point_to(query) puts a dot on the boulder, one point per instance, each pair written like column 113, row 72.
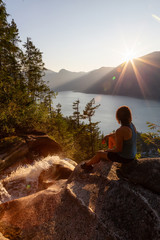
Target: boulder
column 145, row 172
column 12, row 155
column 95, row 205
column 118, row 208
column 42, row 146
column 61, row 169
column 24, row 217
column 29, row 148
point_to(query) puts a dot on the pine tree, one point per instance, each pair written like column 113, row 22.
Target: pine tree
column 76, row 114
column 14, row 68
column 59, row 109
column 25, row 99
column 88, row 113
column 11, row 81
column 33, row 68
column 10, row 68
column 6, row 56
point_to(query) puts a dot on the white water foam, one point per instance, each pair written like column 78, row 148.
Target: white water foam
column 4, row 195
column 24, row 180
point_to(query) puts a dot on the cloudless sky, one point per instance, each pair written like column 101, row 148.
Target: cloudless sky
column 82, row 35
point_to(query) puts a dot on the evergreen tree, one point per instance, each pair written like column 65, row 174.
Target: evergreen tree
column 25, row 99
column 59, row 109
column 11, row 82
column 88, row 113
column 9, row 57
column 76, row 114
column 33, row 68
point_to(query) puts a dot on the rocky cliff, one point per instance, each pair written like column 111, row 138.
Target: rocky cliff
column 54, row 198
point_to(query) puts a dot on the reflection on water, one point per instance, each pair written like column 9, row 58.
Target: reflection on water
column 142, row 110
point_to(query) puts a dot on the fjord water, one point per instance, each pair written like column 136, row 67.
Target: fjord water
column 142, row 110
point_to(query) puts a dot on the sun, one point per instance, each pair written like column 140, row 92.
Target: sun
column 129, row 55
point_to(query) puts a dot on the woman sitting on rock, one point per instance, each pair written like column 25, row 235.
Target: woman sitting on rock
column 122, row 143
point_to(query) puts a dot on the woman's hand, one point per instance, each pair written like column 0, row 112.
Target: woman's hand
column 104, row 140
column 107, row 137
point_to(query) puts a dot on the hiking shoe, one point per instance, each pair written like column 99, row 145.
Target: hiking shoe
column 87, row 168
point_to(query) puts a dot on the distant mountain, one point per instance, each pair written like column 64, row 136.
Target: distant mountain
column 55, row 80
column 80, row 84
column 139, row 78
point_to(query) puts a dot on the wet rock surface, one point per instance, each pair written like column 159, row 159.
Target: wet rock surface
column 30, row 179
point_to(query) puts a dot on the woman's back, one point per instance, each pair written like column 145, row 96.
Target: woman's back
column 129, row 141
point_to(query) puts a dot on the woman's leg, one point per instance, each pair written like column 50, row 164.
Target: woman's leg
column 99, row 155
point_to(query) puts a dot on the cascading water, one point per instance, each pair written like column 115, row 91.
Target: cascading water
column 4, row 195
column 25, row 179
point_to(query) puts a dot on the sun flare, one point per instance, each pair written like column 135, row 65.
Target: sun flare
column 129, row 56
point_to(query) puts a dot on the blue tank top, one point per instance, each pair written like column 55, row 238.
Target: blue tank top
column 129, row 149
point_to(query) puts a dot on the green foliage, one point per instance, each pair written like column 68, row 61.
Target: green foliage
column 58, row 128
column 152, row 139
column 76, row 114
column 25, row 100
column 33, row 68
column 138, row 155
column 153, row 126
column 73, row 134
column 93, row 129
column 86, row 135
column 9, row 142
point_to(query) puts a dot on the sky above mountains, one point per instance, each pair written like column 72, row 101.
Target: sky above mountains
column 82, row 35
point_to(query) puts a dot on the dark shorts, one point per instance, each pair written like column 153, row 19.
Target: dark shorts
column 114, row 157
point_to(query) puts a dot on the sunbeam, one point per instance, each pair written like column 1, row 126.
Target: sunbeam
column 120, row 79
column 148, row 62
column 140, row 80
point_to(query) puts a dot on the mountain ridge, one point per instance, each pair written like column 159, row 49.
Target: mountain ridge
column 138, row 78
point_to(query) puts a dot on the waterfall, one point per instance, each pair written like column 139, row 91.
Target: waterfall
column 4, row 195
column 25, row 179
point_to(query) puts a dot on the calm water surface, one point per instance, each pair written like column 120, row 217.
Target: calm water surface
column 142, row 110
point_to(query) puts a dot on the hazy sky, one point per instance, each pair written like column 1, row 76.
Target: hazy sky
column 82, row 35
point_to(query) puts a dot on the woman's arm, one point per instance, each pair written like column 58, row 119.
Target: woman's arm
column 108, row 135
column 118, row 141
